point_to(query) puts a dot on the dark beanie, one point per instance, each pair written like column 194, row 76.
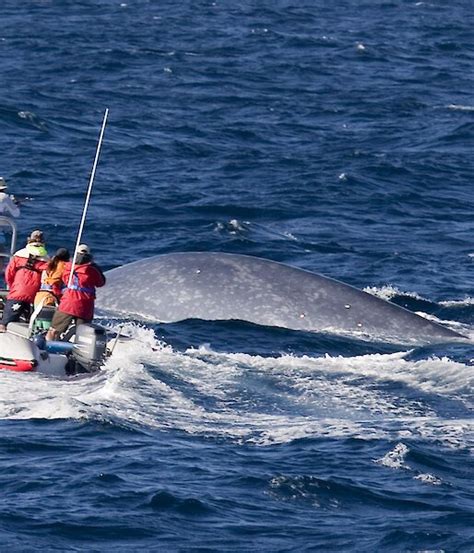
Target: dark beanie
column 63, row 254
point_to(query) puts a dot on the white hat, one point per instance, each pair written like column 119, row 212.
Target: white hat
column 83, row 248
column 36, row 236
column 3, row 184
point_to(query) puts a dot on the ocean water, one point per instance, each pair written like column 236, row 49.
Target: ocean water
column 333, row 136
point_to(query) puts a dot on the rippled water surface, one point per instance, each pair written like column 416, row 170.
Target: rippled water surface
column 333, row 136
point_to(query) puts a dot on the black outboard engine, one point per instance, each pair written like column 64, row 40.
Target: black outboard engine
column 90, row 348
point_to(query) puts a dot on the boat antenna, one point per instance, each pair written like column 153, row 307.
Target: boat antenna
column 88, row 196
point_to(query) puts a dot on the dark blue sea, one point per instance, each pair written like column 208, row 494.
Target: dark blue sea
column 337, row 137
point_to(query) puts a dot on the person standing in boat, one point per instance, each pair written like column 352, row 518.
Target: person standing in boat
column 51, row 280
column 23, row 278
column 77, row 302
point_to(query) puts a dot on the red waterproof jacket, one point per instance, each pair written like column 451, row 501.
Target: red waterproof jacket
column 23, row 276
column 78, row 300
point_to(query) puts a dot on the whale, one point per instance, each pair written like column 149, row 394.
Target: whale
column 214, row 286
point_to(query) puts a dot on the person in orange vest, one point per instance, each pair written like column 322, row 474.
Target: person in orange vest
column 51, row 280
column 77, row 301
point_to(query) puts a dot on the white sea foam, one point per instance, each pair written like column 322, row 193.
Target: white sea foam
column 428, row 479
column 388, row 292
column 457, row 303
column 395, row 458
column 252, row 398
column 460, row 107
column 233, row 226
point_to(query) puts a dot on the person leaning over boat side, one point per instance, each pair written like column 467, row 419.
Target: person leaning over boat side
column 8, row 208
column 77, row 302
column 51, row 279
column 23, row 278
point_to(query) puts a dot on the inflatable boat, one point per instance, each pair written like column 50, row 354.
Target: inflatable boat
column 23, row 347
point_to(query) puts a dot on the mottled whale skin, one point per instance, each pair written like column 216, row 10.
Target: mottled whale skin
column 222, row 286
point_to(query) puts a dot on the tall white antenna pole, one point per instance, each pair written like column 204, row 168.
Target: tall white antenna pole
column 89, row 190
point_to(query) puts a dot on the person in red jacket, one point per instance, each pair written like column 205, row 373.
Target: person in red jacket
column 77, row 302
column 23, row 278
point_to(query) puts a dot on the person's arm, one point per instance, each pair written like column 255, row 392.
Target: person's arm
column 65, row 275
column 100, row 277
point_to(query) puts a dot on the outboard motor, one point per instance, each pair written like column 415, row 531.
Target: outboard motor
column 89, row 348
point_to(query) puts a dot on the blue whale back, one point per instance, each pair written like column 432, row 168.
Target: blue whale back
column 221, row 286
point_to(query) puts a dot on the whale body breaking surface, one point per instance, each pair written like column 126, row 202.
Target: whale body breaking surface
column 221, row 286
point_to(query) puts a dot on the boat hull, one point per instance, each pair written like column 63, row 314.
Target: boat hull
column 17, row 353
column 18, row 365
